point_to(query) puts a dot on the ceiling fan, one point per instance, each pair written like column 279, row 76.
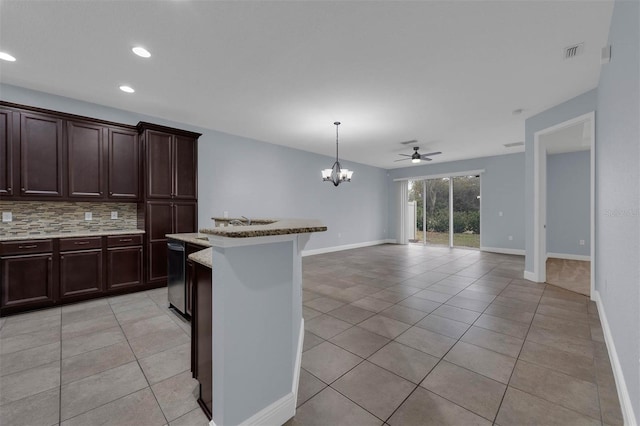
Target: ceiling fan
column 416, row 157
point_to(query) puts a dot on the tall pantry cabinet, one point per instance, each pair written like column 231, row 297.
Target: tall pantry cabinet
column 170, row 191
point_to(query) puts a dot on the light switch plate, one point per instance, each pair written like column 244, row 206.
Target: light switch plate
column 88, row 216
column 114, row 215
column 7, row 217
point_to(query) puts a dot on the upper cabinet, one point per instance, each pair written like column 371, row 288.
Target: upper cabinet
column 124, row 164
column 50, row 154
column 85, row 159
column 41, row 160
column 171, row 162
column 6, row 152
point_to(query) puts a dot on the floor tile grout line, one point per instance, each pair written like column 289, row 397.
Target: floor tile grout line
column 138, row 363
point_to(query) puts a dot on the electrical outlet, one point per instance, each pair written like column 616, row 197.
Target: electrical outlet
column 114, row 215
column 510, row 237
column 88, row 216
column 7, row 217
column 581, row 242
column 499, row 213
column 225, row 214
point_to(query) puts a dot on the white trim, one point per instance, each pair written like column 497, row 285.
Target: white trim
column 539, row 196
column 621, row 385
column 520, row 252
column 346, row 247
column 296, row 372
column 442, row 175
column 568, row 256
column 592, row 194
column 530, row 276
column 275, row 414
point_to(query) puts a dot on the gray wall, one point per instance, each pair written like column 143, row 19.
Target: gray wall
column 572, row 108
column 618, row 192
column 568, row 203
column 502, row 189
column 253, row 178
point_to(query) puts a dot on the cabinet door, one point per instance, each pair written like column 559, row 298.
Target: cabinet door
column 85, row 160
column 159, row 148
column 185, row 217
column 185, row 168
column 124, row 173
column 80, row 273
column 41, row 164
column 124, row 267
column 202, row 325
column 6, row 152
column 27, row 280
column 157, row 262
column 159, row 220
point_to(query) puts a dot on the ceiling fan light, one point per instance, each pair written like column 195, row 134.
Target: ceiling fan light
column 415, row 160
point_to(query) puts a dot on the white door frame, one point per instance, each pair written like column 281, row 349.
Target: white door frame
column 540, row 197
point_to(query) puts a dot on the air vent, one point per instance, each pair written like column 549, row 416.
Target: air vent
column 511, row 145
column 573, row 51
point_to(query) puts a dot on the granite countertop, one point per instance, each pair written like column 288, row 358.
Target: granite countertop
column 193, row 238
column 68, row 234
column 203, row 257
column 273, row 227
column 260, row 221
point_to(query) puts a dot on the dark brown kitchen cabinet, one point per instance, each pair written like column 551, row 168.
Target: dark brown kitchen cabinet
column 81, row 273
column 6, row 152
column 164, row 218
column 85, row 160
column 41, row 159
column 124, row 164
column 124, row 266
column 201, row 332
column 171, row 162
column 27, row 272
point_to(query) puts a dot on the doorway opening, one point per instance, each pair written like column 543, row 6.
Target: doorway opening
column 564, row 186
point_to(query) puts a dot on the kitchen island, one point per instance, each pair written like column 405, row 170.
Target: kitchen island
column 257, row 325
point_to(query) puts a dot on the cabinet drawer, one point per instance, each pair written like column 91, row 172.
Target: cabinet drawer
column 124, row 240
column 26, row 246
column 82, row 243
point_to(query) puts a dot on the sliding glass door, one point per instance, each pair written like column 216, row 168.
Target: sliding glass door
column 466, row 211
column 444, row 211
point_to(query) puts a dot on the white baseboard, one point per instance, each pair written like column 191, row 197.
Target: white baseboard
column 346, row 247
column 531, row 276
column 568, row 256
column 519, row 252
column 296, row 372
column 621, row 385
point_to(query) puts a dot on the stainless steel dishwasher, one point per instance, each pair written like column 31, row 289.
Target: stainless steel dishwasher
column 176, row 265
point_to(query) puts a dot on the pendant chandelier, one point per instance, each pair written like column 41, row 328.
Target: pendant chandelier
column 337, row 174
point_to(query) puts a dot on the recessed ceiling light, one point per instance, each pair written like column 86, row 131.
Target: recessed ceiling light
column 127, row 89
column 6, row 57
column 141, row 51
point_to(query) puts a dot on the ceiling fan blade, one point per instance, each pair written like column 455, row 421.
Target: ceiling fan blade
column 412, row 141
column 405, row 155
column 402, row 159
column 431, row 153
column 426, row 159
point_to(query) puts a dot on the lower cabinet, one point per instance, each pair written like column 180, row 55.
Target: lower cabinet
column 124, row 267
column 27, row 281
column 201, row 358
column 42, row 273
column 80, row 273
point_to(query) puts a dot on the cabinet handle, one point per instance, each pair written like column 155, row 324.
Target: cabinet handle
column 81, row 243
column 125, row 240
column 28, row 247
column 22, row 189
column 9, row 189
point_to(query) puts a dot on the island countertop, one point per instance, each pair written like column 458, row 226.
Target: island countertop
column 275, row 227
column 191, row 237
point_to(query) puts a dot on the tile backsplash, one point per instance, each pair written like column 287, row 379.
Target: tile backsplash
column 39, row 217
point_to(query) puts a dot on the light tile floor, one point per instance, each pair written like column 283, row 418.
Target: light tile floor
column 121, row 361
column 402, row 335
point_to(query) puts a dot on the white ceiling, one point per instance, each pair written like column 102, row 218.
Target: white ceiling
column 448, row 73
